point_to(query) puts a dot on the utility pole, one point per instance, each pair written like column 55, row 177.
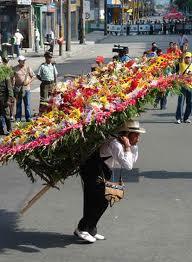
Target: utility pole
column 61, row 28
column 82, row 23
column 68, row 26
column 105, row 17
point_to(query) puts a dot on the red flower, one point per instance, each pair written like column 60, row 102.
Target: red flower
column 17, row 132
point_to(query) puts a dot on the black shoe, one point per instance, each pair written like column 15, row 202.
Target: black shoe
column 28, row 120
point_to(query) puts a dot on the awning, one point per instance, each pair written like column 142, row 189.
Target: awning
column 174, row 14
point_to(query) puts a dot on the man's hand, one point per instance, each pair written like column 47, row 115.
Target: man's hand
column 125, row 142
column 10, row 100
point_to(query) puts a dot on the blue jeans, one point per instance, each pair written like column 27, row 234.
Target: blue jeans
column 186, row 95
column 17, row 50
column 26, row 100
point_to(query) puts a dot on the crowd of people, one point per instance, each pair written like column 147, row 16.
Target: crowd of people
column 171, row 26
column 182, row 67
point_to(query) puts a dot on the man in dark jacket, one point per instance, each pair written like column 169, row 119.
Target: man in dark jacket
column 6, row 96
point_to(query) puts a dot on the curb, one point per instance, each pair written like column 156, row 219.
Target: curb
column 66, row 54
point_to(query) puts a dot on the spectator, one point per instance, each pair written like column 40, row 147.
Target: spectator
column 23, row 76
column 47, row 74
column 185, row 67
column 124, row 55
column 154, row 47
column 170, row 49
column 51, row 40
column 11, row 103
column 18, row 40
column 6, row 96
column 37, row 40
column 159, row 52
column 183, row 39
column 161, row 96
column 144, row 57
column 176, row 50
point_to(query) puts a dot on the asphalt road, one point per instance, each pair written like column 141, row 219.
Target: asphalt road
column 152, row 223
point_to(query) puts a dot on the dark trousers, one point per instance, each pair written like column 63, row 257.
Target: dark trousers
column 95, row 205
column 45, row 90
column 186, row 95
column 162, row 98
column 5, row 123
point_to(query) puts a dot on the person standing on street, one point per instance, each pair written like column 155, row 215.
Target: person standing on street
column 11, row 103
column 23, row 76
column 47, row 74
column 6, row 97
column 18, row 40
column 119, row 151
column 37, row 40
column 182, row 40
column 51, row 40
column 185, row 67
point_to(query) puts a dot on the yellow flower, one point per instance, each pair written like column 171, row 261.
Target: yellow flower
column 75, row 114
column 103, row 100
column 22, row 139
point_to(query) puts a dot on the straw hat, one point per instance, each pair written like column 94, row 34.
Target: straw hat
column 131, row 126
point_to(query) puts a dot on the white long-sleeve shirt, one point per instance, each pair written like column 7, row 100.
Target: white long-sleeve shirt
column 119, row 157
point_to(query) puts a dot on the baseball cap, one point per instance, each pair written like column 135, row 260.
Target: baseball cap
column 187, row 54
column 21, row 58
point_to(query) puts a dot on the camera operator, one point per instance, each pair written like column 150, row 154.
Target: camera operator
column 123, row 52
column 123, row 55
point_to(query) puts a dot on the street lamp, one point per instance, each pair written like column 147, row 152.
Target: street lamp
column 61, row 27
column 68, row 26
column 82, row 23
column 105, row 17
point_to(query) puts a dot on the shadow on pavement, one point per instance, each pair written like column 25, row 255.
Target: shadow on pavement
column 12, row 237
column 136, row 176
column 165, row 115
column 151, row 121
column 162, row 174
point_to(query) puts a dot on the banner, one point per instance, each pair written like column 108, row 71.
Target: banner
column 24, row 2
column 113, row 2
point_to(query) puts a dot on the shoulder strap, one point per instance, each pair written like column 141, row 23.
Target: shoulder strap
column 186, row 69
column 55, row 77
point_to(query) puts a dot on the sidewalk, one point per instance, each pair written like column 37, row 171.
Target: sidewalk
column 90, row 39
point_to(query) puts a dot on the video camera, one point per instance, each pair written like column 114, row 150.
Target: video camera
column 119, row 49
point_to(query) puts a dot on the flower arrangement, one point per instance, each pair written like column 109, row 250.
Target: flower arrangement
column 83, row 112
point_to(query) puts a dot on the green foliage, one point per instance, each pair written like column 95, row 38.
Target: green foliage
column 181, row 4
column 5, row 72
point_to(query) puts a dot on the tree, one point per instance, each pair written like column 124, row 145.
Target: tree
column 181, row 4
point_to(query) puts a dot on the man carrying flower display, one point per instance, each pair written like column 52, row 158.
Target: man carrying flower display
column 185, row 68
column 47, row 74
column 120, row 151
